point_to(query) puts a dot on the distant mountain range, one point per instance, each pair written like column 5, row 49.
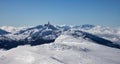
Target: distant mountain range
column 47, row 33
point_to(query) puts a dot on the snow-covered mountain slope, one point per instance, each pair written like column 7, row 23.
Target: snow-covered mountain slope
column 48, row 33
column 40, row 31
column 91, row 37
column 49, row 44
column 112, row 34
column 3, row 32
column 34, row 36
column 37, row 31
column 66, row 49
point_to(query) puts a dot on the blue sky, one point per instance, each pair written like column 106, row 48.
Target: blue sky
column 70, row 12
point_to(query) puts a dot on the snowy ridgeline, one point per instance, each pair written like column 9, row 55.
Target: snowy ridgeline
column 47, row 33
column 48, row 44
column 66, row 49
column 18, row 33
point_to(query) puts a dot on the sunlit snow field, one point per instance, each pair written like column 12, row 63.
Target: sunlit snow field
column 66, row 49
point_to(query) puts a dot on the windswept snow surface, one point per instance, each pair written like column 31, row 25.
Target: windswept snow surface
column 65, row 50
column 70, row 47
